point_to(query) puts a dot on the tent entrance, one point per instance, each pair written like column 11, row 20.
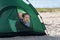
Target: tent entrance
column 16, row 24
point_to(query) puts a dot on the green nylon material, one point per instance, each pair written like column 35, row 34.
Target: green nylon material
column 8, row 15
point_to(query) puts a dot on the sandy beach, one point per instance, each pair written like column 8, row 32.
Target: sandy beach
column 52, row 22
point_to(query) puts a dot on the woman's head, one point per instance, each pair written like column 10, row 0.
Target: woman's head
column 26, row 17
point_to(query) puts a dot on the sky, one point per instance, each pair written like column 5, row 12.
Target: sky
column 45, row 3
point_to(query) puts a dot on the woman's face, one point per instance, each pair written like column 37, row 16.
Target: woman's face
column 26, row 18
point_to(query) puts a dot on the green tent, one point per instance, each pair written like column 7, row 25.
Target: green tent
column 9, row 15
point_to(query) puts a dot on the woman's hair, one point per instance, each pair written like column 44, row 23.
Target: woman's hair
column 25, row 14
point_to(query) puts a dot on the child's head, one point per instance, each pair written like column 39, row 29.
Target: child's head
column 20, row 15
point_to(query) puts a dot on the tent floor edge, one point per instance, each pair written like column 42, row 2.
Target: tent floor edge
column 14, row 34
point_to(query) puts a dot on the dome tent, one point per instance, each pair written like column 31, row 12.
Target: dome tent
column 9, row 15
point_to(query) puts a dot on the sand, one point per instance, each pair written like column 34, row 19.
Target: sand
column 52, row 22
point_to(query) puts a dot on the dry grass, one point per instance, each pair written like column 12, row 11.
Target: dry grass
column 47, row 9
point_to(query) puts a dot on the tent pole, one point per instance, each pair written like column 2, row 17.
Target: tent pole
column 46, row 31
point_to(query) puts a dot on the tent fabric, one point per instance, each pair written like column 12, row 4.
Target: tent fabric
column 9, row 16
column 21, row 11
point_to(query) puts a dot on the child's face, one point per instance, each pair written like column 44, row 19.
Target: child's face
column 20, row 15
